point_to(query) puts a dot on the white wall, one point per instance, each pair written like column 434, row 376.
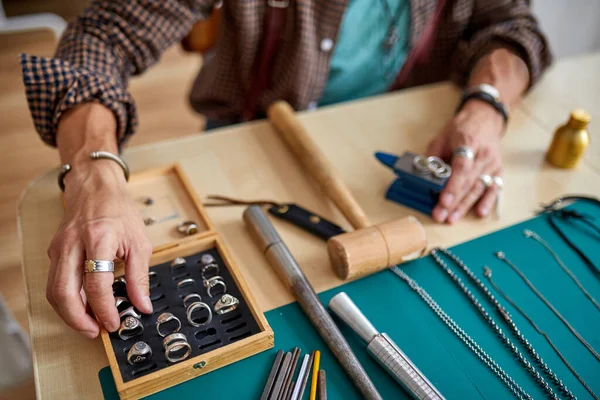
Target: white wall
column 572, row 26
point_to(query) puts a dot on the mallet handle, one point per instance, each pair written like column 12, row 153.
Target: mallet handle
column 315, row 163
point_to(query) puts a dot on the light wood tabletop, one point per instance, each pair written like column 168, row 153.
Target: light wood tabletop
column 249, row 161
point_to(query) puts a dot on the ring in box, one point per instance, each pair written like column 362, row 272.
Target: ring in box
column 166, row 195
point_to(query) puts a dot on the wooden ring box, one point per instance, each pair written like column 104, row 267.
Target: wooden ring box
column 174, row 201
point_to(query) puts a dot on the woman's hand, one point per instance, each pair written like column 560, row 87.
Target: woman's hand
column 478, row 126
column 101, row 222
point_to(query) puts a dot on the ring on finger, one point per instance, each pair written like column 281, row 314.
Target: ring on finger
column 99, row 266
column 465, row 152
column 487, row 180
column 498, row 181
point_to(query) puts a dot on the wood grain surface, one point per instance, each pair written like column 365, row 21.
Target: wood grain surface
column 250, row 161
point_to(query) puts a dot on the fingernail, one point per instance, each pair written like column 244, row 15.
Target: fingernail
column 111, row 327
column 454, row 217
column 90, row 334
column 147, row 304
column 484, row 211
column 446, row 199
column 442, row 215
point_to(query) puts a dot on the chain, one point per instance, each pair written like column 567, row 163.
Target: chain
column 506, row 379
column 588, row 346
column 531, row 234
column 487, row 271
column 506, row 316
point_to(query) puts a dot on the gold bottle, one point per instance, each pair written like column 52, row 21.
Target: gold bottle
column 570, row 141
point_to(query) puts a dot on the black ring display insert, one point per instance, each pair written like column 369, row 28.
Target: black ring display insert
column 167, row 297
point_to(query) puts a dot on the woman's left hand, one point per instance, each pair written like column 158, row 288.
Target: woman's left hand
column 479, row 127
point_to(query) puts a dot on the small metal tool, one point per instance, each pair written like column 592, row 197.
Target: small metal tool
column 322, row 385
column 384, row 350
column 302, row 378
column 278, row 385
column 291, row 274
column 272, row 376
column 290, row 374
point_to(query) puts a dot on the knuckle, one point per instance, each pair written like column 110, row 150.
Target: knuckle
column 59, row 294
column 94, row 287
column 96, row 232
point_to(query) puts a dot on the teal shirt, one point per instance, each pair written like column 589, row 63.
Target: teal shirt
column 361, row 65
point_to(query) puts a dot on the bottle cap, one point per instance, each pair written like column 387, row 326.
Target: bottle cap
column 579, row 119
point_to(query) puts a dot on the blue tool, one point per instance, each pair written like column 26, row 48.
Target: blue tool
column 416, row 186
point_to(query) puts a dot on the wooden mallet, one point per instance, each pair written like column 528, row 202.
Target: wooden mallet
column 368, row 249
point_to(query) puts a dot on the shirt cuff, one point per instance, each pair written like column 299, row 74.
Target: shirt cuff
column 52, row 86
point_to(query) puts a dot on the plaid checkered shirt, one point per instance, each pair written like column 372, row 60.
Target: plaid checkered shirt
column 114, row 39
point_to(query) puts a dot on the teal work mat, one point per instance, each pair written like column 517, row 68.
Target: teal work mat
column 395, row 309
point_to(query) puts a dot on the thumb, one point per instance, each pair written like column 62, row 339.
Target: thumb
column 136, row 274
column 436, row 147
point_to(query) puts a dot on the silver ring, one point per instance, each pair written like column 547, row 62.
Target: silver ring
column 226, row 303
column 187, row 228
column 209, row 281
column 120, row 300
column 186, row 282
column 213, row 283
column 130, row 312
column 177, row 346
column 420, row 165
column 465, row 152
column 207, row 267
column 487, row 180
column 163, row 319
column 193, row 307
column 99, row 266
column 138, row 353
column 178, row 262
column 172, row 338
column 444, row 173
column 435, row 164
column 498, row 181
column 120, row 279
column 191, row 296
column 130, row 327
column 207, row 259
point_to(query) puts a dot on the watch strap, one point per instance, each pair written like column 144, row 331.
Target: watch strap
column 487, row 98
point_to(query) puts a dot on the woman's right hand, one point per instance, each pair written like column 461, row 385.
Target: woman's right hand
column 101, row 222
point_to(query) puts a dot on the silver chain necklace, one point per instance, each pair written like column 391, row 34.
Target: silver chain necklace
column 488, row 275
column 562, row 319
column 506, row 316
column 506, row 379
column 531, row 234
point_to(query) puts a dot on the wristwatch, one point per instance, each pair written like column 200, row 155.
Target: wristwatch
column 488, row 94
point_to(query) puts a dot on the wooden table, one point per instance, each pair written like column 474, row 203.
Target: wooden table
column 249, row 161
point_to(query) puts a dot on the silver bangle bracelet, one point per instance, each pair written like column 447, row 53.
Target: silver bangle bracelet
column 94, row 155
